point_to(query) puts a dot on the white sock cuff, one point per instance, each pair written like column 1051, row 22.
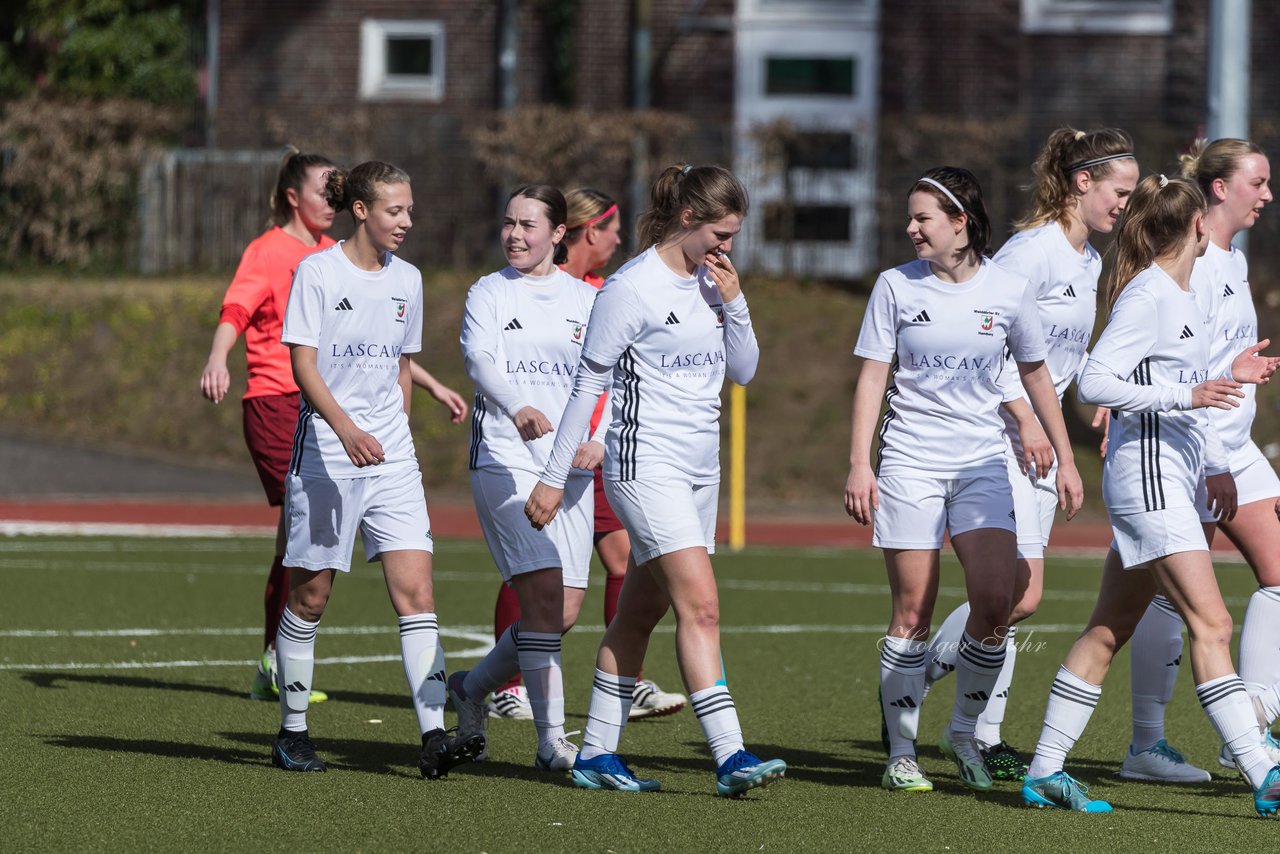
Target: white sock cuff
column 296, row 629
column 419, row 623
column 537, row 650
column 902, row 654
column 981, row 656
column 1074, row 688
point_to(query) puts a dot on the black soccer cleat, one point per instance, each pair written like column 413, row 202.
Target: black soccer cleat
column 293, row 751
column 442, row 750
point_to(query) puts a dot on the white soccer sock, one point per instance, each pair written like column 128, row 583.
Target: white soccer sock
column 1259, row 641
column 1071, row 704
column 719, row 719
column 902, row 666
column 539, row 656
column 944, row 646
column 607, row 713
column 295, row 660
column 1155, row 657
column 1230, row 711
column 977, row 668
column 424, row 668
column 502, row 662
column 987, row 732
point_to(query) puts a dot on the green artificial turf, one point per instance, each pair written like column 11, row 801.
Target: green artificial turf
column 105, row 750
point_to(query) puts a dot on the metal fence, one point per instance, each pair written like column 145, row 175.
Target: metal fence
column 197, row 208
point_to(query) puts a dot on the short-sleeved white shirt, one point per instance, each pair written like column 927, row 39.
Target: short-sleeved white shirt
column 360, row 323
column 533, row 328
column 1157, row 335
column 946, row 343
column 665, row 335
column 1221, row 282
column 1066, row 287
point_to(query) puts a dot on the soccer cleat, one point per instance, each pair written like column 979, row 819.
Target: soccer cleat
column 609, row 771
column 964, row 752
column 1270, row 744
column 293, row 751
column 905, row 775
column 557, row 754
column 511, row 704
column 442, row 751
column 472, row 718
column 744, row 771
column 1059, row 790
column 1161, row 763
column 1003, row 762
column 265, row 685
column 1266, row 800
column 650, row 701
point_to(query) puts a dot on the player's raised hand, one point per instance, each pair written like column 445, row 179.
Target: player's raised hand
column 721, row 271
column 1253, row 367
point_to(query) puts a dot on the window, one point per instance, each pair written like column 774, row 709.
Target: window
column 813, row 223
column 402, row 60
column 822, row 150
column 1140, row 17
column 794, row 75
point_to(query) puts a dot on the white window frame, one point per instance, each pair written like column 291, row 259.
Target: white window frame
column 376, row 84
column 1133, row 17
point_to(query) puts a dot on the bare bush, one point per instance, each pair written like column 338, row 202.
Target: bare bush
column 68, row 184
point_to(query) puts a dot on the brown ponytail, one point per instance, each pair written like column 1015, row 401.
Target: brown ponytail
column 1066, row 152
column 710, row 192
column 1156, row 220
column 290, row 176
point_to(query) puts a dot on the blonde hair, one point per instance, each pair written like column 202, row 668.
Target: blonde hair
column 1206, row 162
column 710, row 192
column 586, row 205
column 1066, row 152
column 1155, row 223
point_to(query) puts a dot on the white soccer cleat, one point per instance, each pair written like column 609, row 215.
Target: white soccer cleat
column 650, row 701
column 1161, row 763
column 964, row 751
column 511, row 704
column 558, row 754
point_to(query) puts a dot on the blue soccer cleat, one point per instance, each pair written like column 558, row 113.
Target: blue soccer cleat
column 1266, row 800
column 744, row 771
column 1059, row 790
column 609, row 771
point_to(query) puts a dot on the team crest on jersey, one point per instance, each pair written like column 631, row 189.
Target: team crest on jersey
column 719, row 310
column 400, row 308
column 577, row 327
column 986, row 320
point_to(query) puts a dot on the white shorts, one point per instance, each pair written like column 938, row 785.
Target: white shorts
column 1140, row 538
column 1035, row 504
column 915, row 509
column 517, row 547
column 664, row 516
column 1255, row 480
column 389, row 509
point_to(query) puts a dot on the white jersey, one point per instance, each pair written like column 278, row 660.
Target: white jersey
column 360, row 323
column 667, row 336
column 532, row 328
column 947, row 344
column 1220, row 280
column 1066, row 287
column 1156, row 339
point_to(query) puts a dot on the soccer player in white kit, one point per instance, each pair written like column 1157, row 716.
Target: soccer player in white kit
column 522, row 336
column 667, row 328
column 1151, row 368
column 1082, row 184
column 1239, row 495
column 935, row 332
column 353, row 318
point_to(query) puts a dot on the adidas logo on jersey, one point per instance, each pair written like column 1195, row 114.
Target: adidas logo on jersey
column 1069, row 292
column 1226, row 291
column 513, row 325
column 904, row 703
column 1186, row 333
column 672, row 319
column 922, row 317
column 345, row 305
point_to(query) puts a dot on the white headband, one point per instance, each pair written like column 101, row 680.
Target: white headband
column 1097, row 161
column 945, row 191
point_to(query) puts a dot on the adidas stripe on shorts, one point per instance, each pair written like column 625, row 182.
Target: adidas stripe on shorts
column 389, row 510
column 663, row 516
column 915, row 509
column 517, row 547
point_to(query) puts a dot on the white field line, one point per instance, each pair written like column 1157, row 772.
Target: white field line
column 12, row 528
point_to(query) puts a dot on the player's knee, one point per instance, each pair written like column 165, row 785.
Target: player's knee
column 991, row 611
column 1215, row 628
column 703, row 613
column 1025, row 607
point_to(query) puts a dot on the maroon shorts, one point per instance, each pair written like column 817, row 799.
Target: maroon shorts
column 269, row 424
column 606, row 520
